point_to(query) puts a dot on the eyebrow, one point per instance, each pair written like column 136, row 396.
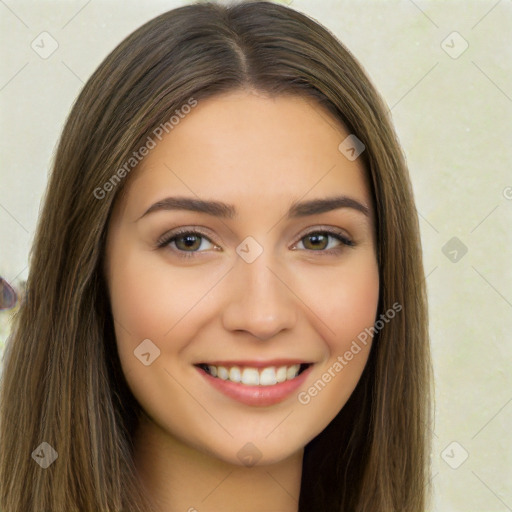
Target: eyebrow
column 228, row 211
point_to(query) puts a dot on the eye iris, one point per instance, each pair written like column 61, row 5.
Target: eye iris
column 190, row 242
column 319, row 241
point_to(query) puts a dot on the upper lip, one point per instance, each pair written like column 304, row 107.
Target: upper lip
column 256, row 364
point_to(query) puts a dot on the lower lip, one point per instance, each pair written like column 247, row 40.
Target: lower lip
column 257, row 395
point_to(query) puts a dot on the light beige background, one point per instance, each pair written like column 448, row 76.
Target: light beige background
column 453, row 116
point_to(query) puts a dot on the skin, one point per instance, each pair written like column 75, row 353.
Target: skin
column 295, row 300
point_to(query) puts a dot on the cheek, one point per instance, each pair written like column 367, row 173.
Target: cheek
column 355, row 305
column 146, row 297
column 347, row 307
column 142, row 305
column 356, row 302
column 345, row 300
column 152, row 300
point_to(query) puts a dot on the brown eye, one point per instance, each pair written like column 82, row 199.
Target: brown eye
column 188, row 242
column 316, row 241
column 325, row 242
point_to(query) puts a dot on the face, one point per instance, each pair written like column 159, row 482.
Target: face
column 241, row 266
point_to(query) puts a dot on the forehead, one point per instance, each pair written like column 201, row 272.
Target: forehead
column 242, row 146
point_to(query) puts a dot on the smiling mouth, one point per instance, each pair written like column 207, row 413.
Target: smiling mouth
column 250, row 376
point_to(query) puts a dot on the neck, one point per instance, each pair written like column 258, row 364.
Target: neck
column 179, row 478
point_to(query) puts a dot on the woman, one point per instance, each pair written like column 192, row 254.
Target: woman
column 226, row 305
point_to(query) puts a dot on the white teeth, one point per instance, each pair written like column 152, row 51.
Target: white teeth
column 234, row 374
column 222, row 373
column 292, row 371
column 250, row 377
column 268, row 376
column 281, row 374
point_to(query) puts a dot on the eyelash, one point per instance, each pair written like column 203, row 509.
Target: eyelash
column 166, row 239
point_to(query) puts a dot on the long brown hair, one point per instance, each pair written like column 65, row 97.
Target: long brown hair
column 62, row 381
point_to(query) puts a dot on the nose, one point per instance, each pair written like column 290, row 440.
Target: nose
column 259, row 300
